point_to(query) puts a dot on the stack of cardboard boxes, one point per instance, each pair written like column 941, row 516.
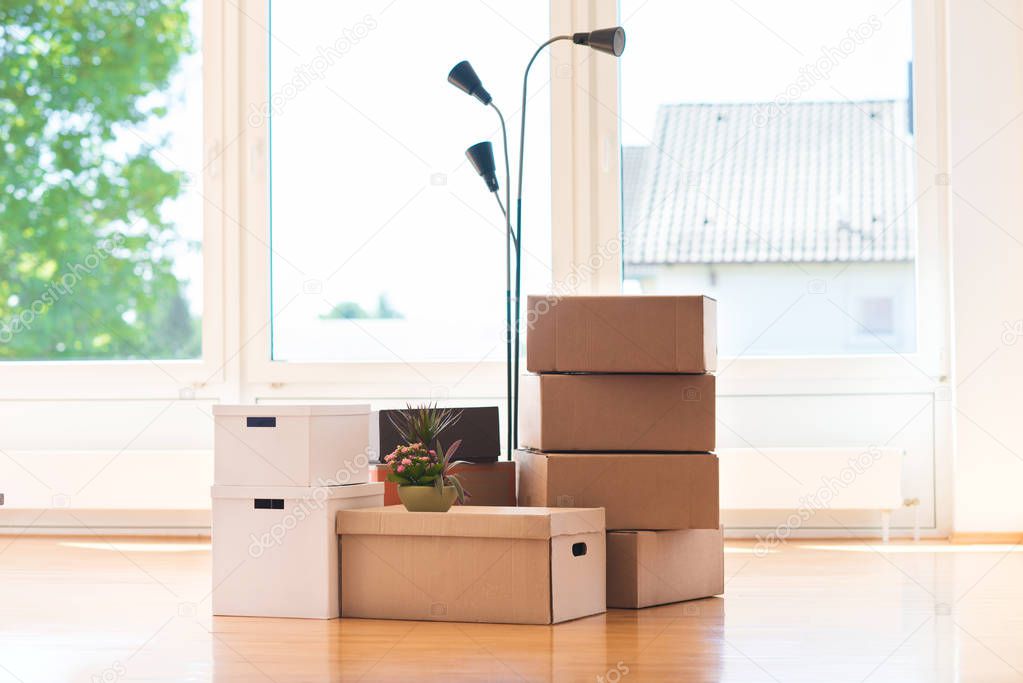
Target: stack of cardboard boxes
column 620, row 414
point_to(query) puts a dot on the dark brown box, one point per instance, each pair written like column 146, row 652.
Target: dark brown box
column 621, row 334
column 478, row 428
column 646, row 568
column 617, row 412
column 636, row 490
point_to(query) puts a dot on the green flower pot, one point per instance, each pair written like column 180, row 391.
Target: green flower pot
column 427, row 498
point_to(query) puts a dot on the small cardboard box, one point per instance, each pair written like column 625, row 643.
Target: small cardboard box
column 290, row 445
column 621, row 334
column 636, row 490
column 490, row 483
column 478, row 564
column 640, row 413
column 275, row 548
column 646, row 568
column 478, row 428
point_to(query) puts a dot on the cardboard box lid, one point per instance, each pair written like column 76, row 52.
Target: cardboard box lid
column 472, row 521
column 265, row 410
column 293, row 492
column 622, row 333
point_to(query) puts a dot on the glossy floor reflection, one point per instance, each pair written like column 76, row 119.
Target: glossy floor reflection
column 138, row 609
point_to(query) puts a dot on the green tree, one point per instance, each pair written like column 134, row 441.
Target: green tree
column 85, row 266
column 351, row 310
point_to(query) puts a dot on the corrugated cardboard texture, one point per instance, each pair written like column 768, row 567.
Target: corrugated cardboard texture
column 501, row 565
column 637, row 413
column 433, row 578
column 490, row 483
column 621, row 334
column 637, row 491
column 472, row 522
column 646, row 568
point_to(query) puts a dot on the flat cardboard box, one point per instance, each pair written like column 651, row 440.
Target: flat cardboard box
column 637, row 491
column 478, row 428
column 646, row 568
column 630, row 413
column 621, row 334
column 490, row 483
column 475, row 564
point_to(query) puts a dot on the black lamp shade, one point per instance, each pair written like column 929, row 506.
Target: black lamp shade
column 481, row 155
column 464, row 77
column 607, row 40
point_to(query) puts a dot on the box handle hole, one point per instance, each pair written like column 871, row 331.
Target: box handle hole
column 261, row 422
column 268, row 503
column 578, row 549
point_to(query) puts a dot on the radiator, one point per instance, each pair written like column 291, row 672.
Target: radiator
column 106, row 480
column 866, row 478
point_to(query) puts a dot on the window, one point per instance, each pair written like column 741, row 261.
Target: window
column 774, row 170
column 100, row 172
column 385, row 244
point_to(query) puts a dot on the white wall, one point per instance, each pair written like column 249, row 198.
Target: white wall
column 987, row 262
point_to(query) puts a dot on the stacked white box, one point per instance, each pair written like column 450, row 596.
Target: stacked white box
column 308, row 445
column 281, row 473
column 275, row 548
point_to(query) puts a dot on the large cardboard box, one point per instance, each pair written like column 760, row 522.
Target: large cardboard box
column 636, row 490
column 479, row 430
column 275, row 548
column 621, row 334
column 290, row 445
column 646, row 568
column 480, row 564
column 617, row 412
column 490, row 483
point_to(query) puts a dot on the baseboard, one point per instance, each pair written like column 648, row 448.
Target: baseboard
column 987, row 537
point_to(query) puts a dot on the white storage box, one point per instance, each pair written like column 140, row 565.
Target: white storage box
column 267, row 445
column 275, row 548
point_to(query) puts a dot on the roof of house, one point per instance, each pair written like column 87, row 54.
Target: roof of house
column 745, row 183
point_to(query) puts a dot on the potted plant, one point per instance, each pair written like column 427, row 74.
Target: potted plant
column 421, row 468
column 425, row 483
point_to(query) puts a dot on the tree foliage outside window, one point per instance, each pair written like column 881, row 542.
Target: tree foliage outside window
column 86, row 252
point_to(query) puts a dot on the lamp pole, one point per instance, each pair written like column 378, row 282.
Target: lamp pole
column 607, row 40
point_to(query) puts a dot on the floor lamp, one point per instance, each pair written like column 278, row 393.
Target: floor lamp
column 607, row 40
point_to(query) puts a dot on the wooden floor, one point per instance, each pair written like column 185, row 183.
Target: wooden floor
column 75, row 609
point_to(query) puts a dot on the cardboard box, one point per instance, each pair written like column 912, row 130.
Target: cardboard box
column 479, row 428
column 490, row 483
column 621, row 334
column 617, row 412
column 290, row 445
column 275, row 548
column 637, row 491
column 646, row 568
column 479, row 564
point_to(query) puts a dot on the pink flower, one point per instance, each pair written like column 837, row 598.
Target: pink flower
column 401, row 468
column 406, row 461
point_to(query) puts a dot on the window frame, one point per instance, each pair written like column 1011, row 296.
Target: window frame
column 159, row 378
column 925, row 370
